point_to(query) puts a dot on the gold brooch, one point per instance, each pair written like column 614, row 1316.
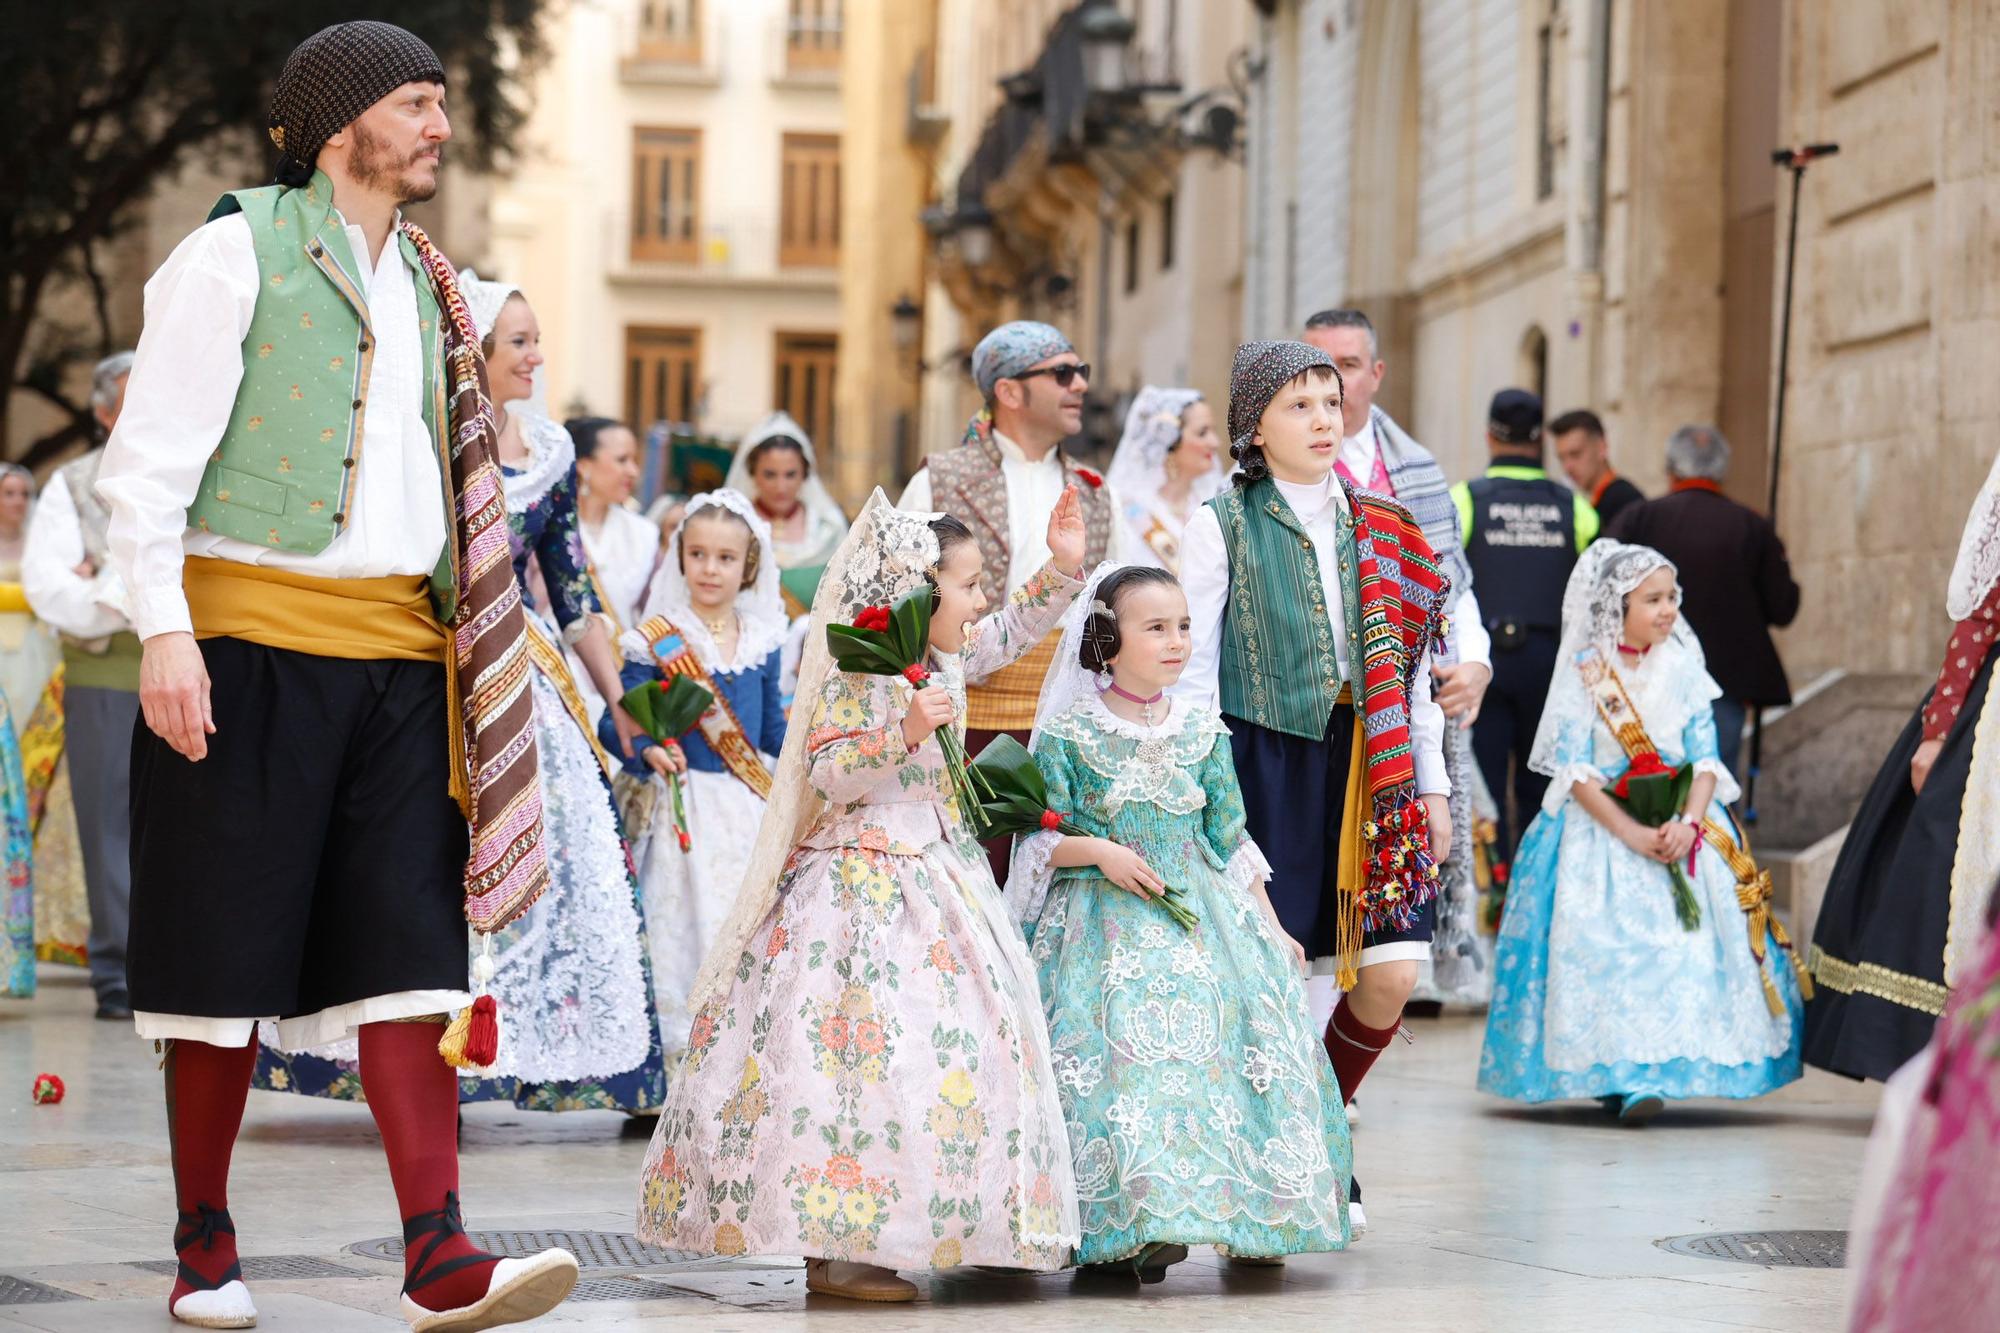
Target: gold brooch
column 278, row 137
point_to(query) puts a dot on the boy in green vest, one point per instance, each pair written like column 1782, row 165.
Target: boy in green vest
column 1314, row 607
column 332, row 778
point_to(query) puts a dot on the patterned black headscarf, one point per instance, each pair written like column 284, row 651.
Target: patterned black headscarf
column 1261, row 369
column 335, row 75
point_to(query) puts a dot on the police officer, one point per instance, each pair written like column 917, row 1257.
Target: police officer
column 1522, row 533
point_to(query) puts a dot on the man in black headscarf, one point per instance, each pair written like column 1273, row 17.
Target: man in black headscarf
column 281, row 486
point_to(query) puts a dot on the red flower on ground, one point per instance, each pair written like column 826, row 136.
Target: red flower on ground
column 1090, row 479
column 48, row 1089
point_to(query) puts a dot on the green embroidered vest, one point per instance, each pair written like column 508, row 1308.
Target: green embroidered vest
column 1280, row 668
column 285, row 469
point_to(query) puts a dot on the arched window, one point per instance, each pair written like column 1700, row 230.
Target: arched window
column 1534, row 362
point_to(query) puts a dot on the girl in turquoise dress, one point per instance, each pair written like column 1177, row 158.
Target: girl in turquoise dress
column 1200, row 1103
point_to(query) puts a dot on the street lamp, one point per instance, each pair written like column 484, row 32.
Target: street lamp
column 1105, row 34
column 975, row 235
column 906, row 322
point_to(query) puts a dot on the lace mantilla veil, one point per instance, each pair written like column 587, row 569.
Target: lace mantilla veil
column 760, row 608
column 1152, row 428
column 885, row 554
column 1066, row 683
column 1593, row 617
column 1977, row 568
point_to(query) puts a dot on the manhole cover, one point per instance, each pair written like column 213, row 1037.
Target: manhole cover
column 267, row 1267
column 627, row 1287
column 1770, row 1249
column 20, row 1291
column 593, row 1249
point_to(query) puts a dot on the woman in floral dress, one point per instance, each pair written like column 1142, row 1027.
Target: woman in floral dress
column 867, row 1080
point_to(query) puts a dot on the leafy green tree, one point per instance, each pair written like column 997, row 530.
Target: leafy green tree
column 101, row 100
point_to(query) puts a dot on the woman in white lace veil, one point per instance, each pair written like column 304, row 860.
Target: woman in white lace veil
column 1167, row 465
column 1603, row 988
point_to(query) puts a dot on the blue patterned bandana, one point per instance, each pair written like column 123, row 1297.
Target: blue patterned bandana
column 1013, row 348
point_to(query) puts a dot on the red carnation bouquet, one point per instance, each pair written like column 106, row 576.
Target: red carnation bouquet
column 1016, row 801
column 667, row 713
column 1652, row 792
column 893, row 641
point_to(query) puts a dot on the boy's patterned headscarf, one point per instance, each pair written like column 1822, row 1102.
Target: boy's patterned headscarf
column 1260, row 370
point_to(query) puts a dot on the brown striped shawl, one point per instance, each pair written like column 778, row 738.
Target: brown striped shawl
column 495, row 765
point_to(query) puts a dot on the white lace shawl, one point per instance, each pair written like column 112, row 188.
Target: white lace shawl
column 551, row 457
column 1977, row 568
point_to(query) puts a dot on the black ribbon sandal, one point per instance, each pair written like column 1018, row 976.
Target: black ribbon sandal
column 440, row 1225
column 202, row 1227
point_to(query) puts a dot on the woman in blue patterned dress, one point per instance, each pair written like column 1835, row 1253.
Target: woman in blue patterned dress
column 571, row 975
column 1200, row 1103
column 1600, row 990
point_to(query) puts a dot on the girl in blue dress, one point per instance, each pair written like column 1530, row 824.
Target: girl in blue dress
column 715, row 613
column 1600, row 989
column 1200, row 1103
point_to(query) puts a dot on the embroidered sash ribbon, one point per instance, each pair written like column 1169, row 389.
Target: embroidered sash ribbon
column 1753, row 886
column 720, row 726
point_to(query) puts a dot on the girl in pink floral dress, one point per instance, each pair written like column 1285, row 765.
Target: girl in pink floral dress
column 867, row 1079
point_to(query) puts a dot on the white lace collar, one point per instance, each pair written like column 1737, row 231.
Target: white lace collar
column 551, row 456
column 756, row 637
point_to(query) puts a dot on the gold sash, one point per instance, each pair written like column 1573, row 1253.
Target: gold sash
column 720, row 726
column 1753, row 886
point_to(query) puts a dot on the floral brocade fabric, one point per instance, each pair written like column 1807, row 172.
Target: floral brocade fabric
column 875, row 1086
column 1200, row 1105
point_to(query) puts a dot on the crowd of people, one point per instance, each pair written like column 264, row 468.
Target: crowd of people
column 374, row 645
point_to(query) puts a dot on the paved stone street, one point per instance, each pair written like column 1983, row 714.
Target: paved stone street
column 1485, row 1217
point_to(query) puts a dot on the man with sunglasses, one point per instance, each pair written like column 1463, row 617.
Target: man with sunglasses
column 1002, row 480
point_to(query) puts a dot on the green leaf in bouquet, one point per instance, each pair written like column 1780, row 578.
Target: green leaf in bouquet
column 643, row 703
column 910, row 623
column 667, row 712
column 682, row 705
column 1007, row 761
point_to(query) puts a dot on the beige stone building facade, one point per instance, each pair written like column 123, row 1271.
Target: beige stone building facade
column 1086, row 185
column 1578, row 195
column 674, row 214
